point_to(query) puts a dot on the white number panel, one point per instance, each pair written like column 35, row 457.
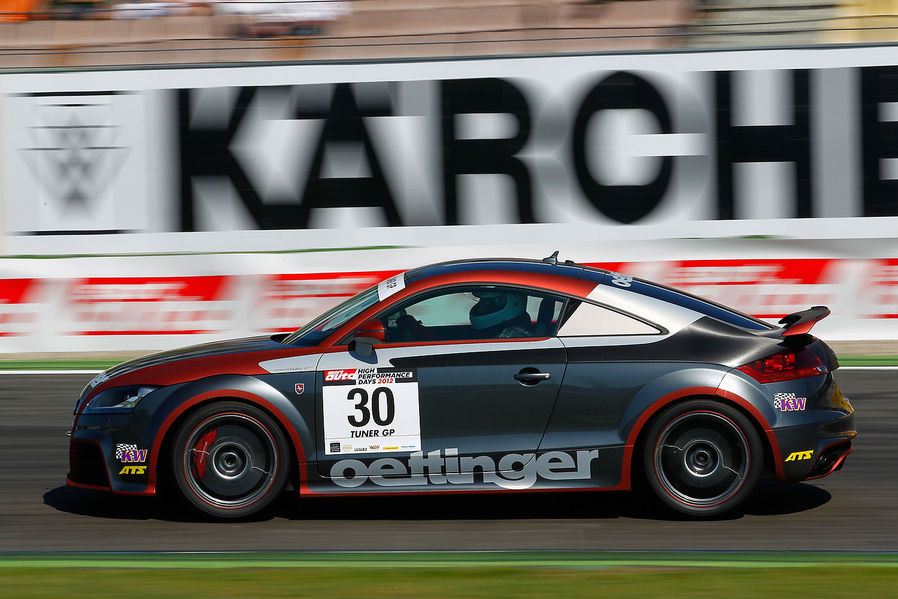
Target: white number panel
column 370, row 410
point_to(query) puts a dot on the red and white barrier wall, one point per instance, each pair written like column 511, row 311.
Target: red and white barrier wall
column 146, row 303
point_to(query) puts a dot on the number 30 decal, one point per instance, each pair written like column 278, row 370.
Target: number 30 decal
column 360, row 395
column 370, row 410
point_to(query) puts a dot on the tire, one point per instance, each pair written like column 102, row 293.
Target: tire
column 230, row 460
column 702, row 458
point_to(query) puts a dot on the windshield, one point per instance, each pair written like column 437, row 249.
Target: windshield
column 314, row 332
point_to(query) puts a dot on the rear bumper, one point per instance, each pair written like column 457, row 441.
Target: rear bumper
column 815, row 450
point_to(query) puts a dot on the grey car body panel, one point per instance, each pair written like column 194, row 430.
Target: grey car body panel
column 468, row 397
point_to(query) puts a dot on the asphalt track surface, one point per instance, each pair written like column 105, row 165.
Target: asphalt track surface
column 852, row 510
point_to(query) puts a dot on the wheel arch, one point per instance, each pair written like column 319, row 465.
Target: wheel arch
column 638, row 435
column 161, row 450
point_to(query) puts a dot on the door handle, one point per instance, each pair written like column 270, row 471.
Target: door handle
column 530, row 376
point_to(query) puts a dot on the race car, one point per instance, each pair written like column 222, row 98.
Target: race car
column 493, row 375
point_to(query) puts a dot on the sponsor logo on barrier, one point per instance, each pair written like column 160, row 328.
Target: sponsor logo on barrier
column 512, row 471
column 148, row 305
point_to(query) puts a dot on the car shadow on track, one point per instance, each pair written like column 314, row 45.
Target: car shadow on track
column 770, row 499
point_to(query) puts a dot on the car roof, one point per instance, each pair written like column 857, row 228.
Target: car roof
column 566, row 268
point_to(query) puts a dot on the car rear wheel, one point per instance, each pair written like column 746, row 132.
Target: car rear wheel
column 230, row 460
column 702, row 458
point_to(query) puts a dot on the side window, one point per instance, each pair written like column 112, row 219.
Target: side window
column 475, row 312
column 591, row 320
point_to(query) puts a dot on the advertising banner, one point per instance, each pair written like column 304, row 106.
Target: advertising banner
column 149, row 208
column 658, row 142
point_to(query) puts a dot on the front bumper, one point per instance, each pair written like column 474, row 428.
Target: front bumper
column 106, row 452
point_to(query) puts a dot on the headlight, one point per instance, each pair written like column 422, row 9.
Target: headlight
column 118, row 398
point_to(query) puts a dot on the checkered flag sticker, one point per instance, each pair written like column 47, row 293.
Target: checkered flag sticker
column 779, row 397
column 121, row 448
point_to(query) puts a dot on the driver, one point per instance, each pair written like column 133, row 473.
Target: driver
column 500, row 315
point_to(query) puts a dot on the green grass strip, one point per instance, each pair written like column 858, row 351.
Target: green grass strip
column 141, row 255
column 59, row 364
column 488, row 559
column 468, row 575
column 868, row 360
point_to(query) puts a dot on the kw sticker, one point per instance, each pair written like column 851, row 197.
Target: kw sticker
column 798, row 456
column 129, row 454
column 513, row 471
column 787, row 402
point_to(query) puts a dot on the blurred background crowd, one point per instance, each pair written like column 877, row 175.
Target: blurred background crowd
column 74, row 32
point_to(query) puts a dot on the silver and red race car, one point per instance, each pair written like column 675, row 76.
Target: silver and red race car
column 477, row 376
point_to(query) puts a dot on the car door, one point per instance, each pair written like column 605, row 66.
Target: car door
column 445, row 396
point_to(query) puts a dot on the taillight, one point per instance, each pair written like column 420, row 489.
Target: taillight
column 785, row 366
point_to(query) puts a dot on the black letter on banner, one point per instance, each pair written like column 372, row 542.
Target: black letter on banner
column 763, row 143
column 623, row 203
column 880, row 139
column 206, row 153
column 343, row 123
column 484, row 156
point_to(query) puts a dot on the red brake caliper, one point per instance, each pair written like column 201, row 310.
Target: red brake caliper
column 199, row 452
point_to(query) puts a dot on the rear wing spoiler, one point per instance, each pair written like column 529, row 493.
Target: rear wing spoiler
column 799, row 323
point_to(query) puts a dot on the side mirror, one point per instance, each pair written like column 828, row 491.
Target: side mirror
column 364, row 346
column 368, row 334
column 373, row 328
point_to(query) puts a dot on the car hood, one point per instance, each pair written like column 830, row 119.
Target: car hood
column 205, row 350
column 178, row 365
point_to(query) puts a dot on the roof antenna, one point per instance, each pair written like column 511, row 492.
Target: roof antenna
column 553, row 259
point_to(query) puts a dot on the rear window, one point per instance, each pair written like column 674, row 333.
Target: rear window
column 692, row 302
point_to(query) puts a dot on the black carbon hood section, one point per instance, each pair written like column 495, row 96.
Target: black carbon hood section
column 205, row 350
column 707, row 340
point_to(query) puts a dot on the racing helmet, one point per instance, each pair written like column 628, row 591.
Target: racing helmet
column 495, row 307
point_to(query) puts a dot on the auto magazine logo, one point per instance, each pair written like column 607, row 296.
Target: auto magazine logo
column 787, row 402
column 370, row 410
column 339, row 375
column 440, row 467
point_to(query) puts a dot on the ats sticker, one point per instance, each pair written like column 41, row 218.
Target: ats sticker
column 797, row 456
column 513, row 471
column 133, row 470
column 299, row 388
column 787, row 402
column 375, row 406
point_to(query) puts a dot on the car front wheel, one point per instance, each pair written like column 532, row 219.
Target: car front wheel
column 702, row 458
column 230, row 460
